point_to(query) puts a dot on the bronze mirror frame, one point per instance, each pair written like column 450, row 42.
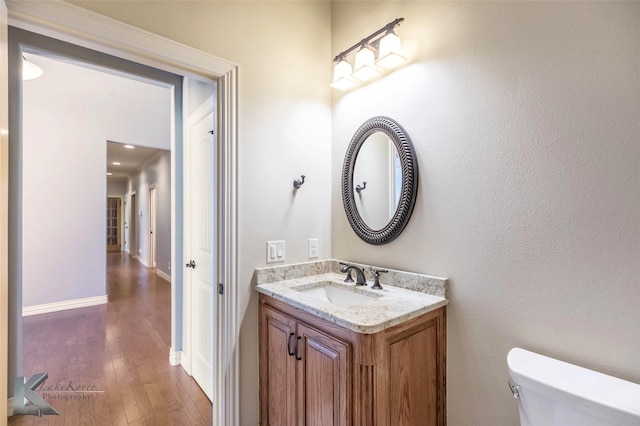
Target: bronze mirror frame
column 408, row 193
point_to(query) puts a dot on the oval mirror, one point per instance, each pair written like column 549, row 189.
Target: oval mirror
column 379, row 180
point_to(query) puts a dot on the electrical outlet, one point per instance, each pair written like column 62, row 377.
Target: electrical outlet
column 275, row 251
column 313, row 248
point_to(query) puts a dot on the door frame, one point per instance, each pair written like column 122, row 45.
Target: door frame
column 66, row 22
column 4, row 210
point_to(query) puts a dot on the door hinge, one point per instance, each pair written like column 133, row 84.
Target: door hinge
column 220, row 288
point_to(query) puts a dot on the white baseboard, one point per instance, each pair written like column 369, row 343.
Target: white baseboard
column 63, row 306
column 163, row 275
column 141, row 260
column 10, row 407
column 186, row 362
column 174, row 357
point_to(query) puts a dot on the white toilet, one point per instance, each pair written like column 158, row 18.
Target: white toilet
column 556, row 393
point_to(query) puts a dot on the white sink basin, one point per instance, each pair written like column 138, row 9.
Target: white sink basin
column 338, row 294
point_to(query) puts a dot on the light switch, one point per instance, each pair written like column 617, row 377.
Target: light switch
column 275, row 251
column 313, row 248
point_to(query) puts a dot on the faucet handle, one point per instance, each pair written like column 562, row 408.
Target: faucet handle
column 376, row 274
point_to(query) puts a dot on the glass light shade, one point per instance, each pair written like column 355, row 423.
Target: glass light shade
column 365, row 69
column 30, row 70
column 390, row 55
column 342, row 76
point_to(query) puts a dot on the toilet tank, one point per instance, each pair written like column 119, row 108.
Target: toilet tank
column 556, row 393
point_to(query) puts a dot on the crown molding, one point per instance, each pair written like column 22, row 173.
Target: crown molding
column 73, row 24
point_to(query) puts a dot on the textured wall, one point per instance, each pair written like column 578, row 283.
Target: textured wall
column 157, row 173
column 526, row 121
column 284, row 131
column 116, row 188
column 69, row 113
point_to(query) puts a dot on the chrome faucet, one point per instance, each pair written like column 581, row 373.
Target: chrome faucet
column 360, row 279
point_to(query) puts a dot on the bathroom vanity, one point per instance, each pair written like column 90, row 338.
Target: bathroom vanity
column 332, row 353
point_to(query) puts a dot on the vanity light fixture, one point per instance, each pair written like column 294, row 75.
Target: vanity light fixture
column 382, row 49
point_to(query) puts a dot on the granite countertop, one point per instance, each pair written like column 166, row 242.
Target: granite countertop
column 385, row 308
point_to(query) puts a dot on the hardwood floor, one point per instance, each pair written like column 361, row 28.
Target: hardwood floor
column 120, row 350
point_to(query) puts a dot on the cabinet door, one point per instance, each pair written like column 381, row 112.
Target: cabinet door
column 277, row 368
column 324, row 379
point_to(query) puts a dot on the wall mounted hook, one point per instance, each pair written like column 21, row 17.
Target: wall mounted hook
column 297, row 183
column 360, row 188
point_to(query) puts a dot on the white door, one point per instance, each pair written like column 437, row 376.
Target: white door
column 152, row 227
column 202, row 257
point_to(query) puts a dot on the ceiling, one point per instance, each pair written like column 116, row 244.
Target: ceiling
column 130, row 159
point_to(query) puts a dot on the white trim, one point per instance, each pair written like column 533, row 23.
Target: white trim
column 4, row 210
column 10, row 407
column 140, row 259
column 185, row 361
column 227, row 393
column 46, row 308
column 174, row 357
column 162, row 275
column 201, row 112
column 73, row 24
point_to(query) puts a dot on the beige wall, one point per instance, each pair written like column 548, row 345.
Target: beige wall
column 525, row 119
column 526, row 122
column 284, row 128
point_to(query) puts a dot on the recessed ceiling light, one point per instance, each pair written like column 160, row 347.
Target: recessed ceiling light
column 129, row 146
column 115, row 163
column 109, row 173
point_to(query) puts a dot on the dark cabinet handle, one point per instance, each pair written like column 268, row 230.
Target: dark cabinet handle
column 289, row 351
column 298, row 357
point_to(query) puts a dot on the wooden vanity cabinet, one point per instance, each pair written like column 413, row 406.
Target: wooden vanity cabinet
column 315, row 373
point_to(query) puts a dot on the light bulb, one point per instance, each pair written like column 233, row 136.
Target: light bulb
column 342, row 76
column 390, row 52
column 365, row 69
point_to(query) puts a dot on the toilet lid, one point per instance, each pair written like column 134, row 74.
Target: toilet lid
column 575, row 386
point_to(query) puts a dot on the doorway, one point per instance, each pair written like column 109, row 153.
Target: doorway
column 133, row 227
column 90, row 30
column 114, row 231
column 152, row 227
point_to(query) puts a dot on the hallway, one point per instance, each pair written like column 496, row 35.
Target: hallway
column 119, row 353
